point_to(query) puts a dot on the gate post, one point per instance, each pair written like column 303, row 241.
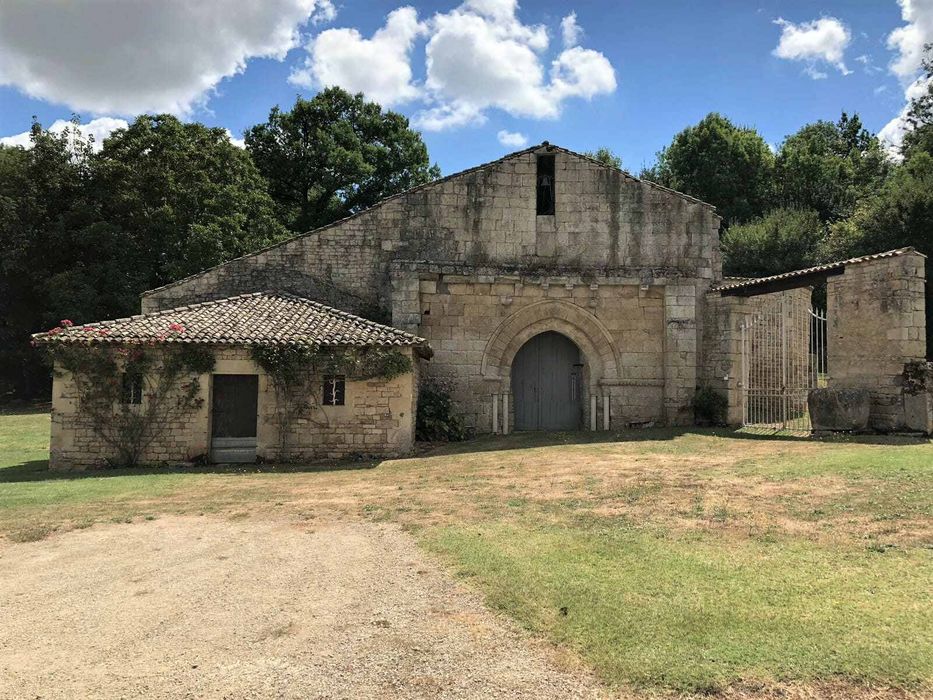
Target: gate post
column 784, row 411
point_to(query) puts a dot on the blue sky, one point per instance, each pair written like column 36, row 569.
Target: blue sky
column 631, row 73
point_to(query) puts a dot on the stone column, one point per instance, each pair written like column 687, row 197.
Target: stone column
column 680, row 352
column 877, row 323
column 505, row 414
column 406, row 301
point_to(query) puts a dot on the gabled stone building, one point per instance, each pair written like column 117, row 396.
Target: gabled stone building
column 231, row 409
column 554, row 291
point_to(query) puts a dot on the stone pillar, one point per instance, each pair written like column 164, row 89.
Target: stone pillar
column 877, row 324
column 505, row 414
column 680, row 352
column 495, row 414
column 406, row 301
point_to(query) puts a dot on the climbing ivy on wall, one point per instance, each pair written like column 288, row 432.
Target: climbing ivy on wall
column 292, row 369
column 168, row 380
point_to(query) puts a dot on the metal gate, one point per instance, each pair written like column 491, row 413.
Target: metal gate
column 783, row 357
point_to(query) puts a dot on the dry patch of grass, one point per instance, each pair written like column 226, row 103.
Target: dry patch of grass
column 688, row 561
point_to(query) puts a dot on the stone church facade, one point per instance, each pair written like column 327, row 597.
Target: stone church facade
column 555, row 292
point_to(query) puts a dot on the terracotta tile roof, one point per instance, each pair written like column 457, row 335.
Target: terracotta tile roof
column 729, row 285
column 261, row 318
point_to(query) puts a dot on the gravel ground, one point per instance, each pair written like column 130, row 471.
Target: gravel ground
column 203, row 608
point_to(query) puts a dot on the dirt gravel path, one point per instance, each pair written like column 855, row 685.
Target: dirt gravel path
column 186, row 607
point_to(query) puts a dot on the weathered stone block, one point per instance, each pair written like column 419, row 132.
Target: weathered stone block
column 839, row 409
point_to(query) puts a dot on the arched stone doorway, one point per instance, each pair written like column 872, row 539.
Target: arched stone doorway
column 547, row 383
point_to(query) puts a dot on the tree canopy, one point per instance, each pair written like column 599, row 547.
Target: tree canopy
column 726, row 165
column 182, row 196
column 83, row 234
column 334, row 155
column 919, row 117
column 828, row 166
column 781, row 240
column 606, row 156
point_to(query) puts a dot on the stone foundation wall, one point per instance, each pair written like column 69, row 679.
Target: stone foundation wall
column 877, row 324
column 377, row 420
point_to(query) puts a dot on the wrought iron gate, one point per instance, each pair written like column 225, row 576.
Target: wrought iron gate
column 783, row 357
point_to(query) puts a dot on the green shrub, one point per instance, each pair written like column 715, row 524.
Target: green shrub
column 436, row 419
column 710, row 406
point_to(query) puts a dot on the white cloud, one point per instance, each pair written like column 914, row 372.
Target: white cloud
column 512, row 139
column 570, row 31
column 868, row 65
column 99, row 128
column 822, row 41
column 324, row 12
column 379, row 67
column 908, row 41
column 481, row 56
column 238, row 142
column 117, row 57
column 478, row 56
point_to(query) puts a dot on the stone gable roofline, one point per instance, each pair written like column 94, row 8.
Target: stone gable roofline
column 257, row 318
column 532, row 149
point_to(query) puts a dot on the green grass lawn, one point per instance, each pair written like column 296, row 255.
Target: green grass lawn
column 667, row 560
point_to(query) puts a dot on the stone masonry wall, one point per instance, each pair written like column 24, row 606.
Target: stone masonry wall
column 603, row 219
column 477, row 318
column 377, row 420
column 877, row 324
column 724, row 316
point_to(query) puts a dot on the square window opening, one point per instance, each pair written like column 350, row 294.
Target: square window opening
column 335, row 390
column 131, row 389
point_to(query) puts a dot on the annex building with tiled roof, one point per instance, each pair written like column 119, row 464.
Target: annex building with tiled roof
column 551, row 292
column 257, row 318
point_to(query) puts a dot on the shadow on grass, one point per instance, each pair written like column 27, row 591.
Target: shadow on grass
column 25, row 409
column 528, row 440
column 38, row 470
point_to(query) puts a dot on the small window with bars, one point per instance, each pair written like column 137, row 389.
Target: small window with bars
column 131, row 389
column 335, row 390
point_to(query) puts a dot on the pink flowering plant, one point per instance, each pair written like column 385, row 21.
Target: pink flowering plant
column 129, row 392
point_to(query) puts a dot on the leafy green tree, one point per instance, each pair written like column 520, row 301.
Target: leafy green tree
column 82, row 234
column 183, row 198
column 606, row 156
column 900, row 214
column 782, row 240
column 42, row 203
column 829, row 166
column 919, row 117
column 726, row 165
column 334, row 155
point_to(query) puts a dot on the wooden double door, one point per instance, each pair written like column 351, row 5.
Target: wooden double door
column 547, row 384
